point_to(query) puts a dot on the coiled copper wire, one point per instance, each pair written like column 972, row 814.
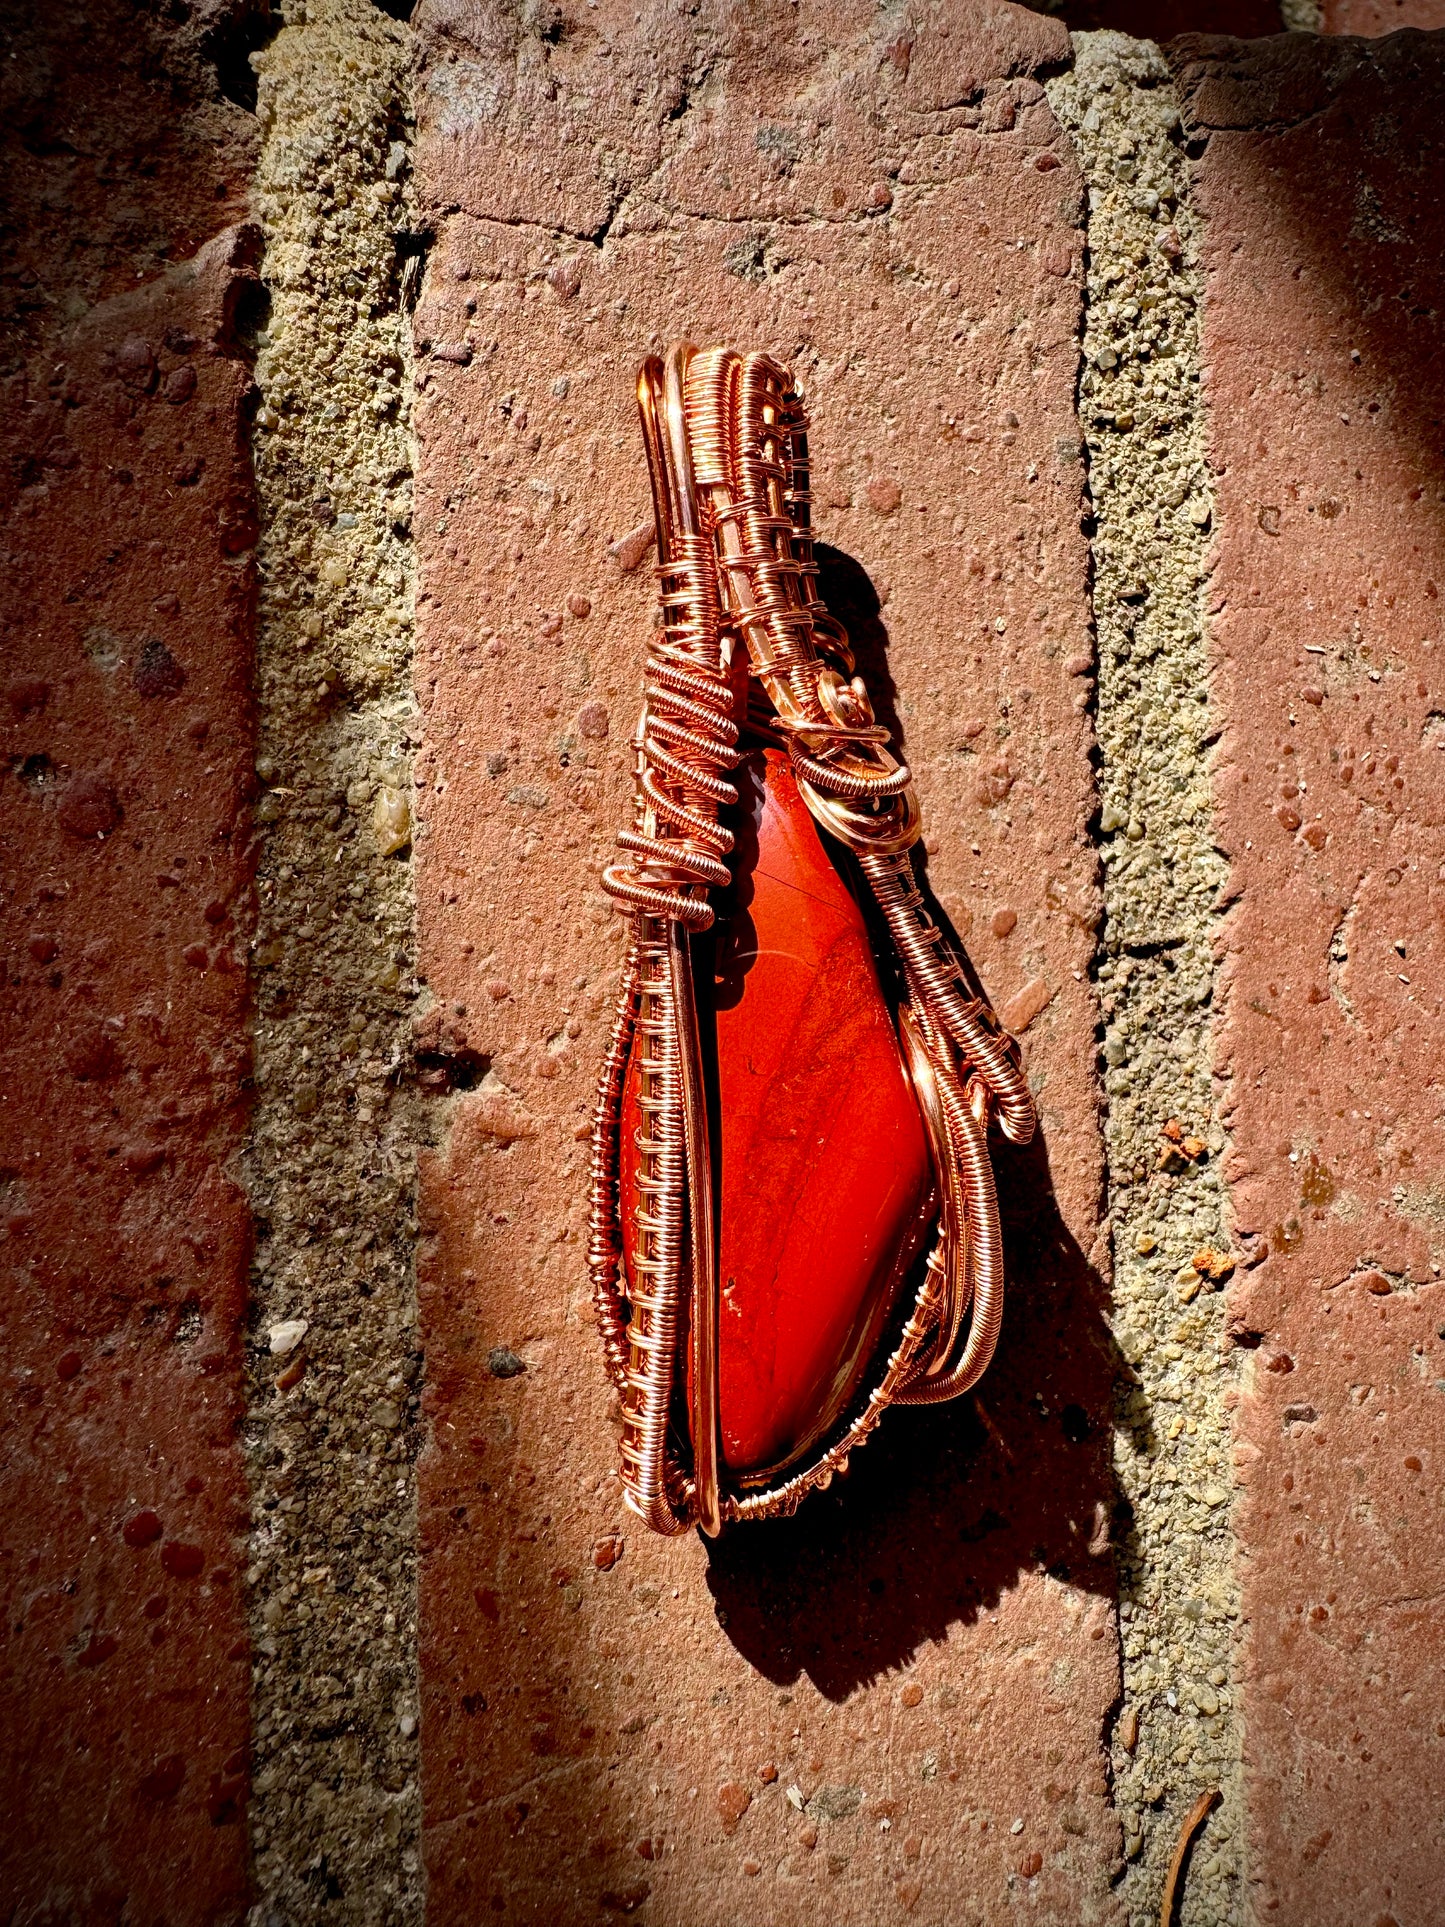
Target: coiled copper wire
column 687, row 736
column 849, row 783
column 604, row 1254
column 653, row 1271
column 985, row 1254
column 937, row 978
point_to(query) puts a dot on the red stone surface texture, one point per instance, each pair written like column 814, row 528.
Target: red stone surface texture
column 1319, row 184
column 842, row 1717
column 125, row 613
column 825, row 1184
column 1372, row 18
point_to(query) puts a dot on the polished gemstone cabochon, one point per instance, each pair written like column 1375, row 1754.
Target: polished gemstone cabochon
column 825, row 1179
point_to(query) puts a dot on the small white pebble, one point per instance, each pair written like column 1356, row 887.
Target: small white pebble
column 390, row 820
column 407, row 1725
column 1017, row 1827
column 287, row 1335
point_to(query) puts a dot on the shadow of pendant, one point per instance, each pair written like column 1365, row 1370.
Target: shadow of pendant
column 823, row 1176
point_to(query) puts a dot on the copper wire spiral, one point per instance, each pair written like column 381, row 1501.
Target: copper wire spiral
column 728, row 459
column 685, row 737
column 936, row 977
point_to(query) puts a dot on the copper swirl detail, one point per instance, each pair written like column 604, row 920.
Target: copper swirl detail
column 746, row 651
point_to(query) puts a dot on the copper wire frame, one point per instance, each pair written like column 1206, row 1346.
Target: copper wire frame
column 727, row 451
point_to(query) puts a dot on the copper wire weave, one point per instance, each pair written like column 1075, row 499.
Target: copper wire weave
column 726, row 439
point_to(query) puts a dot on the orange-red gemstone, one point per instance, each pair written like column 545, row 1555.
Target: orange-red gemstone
column 823, row 1168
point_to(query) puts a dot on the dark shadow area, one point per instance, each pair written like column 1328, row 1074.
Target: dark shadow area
column 944, row 1508
column 1337, row 142
column 848, row 594
column 229, row 37
column 728, row 964
column 1164, row 19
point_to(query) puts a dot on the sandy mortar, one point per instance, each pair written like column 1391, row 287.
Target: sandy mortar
column 330, row 1166
column 1142, row 418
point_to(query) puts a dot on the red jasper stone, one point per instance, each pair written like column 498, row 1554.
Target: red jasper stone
column 825, row 1179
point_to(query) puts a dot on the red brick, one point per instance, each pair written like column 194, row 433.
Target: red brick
column 126, row 617
column 1323, row 358
column 575, row 1706
column 1375, row 17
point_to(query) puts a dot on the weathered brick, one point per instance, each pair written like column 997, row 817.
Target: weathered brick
column 925, row 1655
column 126, row 612
column 1322, row 351
column 1375, row 17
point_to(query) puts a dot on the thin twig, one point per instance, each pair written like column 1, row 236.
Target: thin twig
column 1193, row 1821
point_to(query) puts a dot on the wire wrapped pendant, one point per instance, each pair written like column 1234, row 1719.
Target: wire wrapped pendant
column 800, row 1081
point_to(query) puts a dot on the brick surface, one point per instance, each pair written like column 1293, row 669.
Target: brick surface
column 124, row 701
column 1319, row 188
column 923, row 1661
column 1375, row 17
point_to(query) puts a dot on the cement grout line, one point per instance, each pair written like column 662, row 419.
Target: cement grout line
column 1142, row 420
column 333, row 1424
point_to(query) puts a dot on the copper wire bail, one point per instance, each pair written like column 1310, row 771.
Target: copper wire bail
column 727, row 453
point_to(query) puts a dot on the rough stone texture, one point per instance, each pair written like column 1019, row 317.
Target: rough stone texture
column 1375, row 17
column 1318, row 187
column 893, row 1706
column 122, row 155
column 1370, row 18
column 126, row 615
column 1148, row 485
column 331, row 1161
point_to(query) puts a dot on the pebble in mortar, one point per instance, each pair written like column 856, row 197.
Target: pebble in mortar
column 335, row 1370
column 1143, row 426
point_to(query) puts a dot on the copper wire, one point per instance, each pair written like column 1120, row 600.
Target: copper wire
column 985, row 1255
column 604, row 1249
column 936, row 977
column 654, row 1262
column 686, row 738
column 842, row 782
column 728, row 460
